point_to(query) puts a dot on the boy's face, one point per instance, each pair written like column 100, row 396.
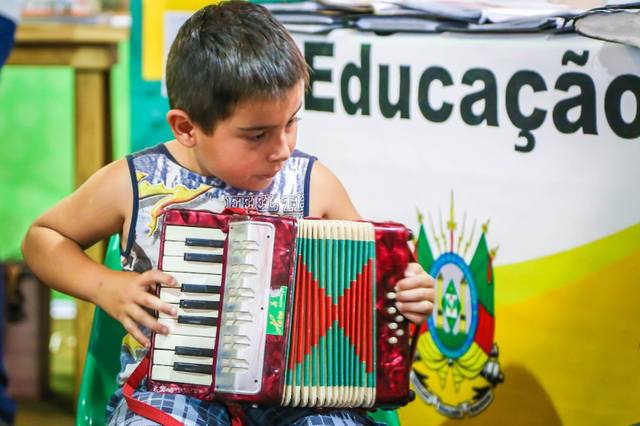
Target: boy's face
column 249, row 148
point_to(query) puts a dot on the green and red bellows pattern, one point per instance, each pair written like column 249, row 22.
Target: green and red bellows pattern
column 331, row 354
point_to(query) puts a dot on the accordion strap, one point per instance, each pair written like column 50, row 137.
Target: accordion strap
column 415, row 335
column 142, row 408
column 152, row 413
column 237, row 210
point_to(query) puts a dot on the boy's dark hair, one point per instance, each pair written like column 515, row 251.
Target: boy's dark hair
column 227, row 53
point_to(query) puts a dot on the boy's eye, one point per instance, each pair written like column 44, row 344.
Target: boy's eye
column 256, row 137
column 293, row 121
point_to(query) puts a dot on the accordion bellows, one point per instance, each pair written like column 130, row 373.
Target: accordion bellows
column 279, row 311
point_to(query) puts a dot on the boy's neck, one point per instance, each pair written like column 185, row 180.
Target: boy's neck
column 185, row 157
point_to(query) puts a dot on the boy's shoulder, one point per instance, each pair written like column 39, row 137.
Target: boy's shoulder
column 149, row 161
column 301, row 154
column 329, row 198
column 159, row 149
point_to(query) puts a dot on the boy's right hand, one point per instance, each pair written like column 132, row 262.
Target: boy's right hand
column 127, row 295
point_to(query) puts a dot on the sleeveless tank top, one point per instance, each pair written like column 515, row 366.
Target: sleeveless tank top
column 160, row 183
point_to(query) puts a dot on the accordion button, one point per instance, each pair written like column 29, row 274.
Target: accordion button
column 391, row 310
column 399, row 318
column 393, row 325
column 391, row 295
column 399, row 332
column 392, row 340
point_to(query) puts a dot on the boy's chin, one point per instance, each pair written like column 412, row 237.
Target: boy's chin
column 257, row 185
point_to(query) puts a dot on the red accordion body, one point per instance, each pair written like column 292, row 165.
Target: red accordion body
column 279, row 311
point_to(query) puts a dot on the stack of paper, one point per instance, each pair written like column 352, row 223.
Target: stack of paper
column 494, row 16
column 473, row 16
column 309, row 16
column 397, row 23
column 611, row 24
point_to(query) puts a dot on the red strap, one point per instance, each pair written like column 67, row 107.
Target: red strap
column 415, row 335
column 236, row 413
column 142, row 408
column 412, row 256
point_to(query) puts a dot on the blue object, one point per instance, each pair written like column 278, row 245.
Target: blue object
column 7, row 37
column 7, row 405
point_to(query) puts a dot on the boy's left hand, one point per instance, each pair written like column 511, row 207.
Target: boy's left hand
column 415, row 294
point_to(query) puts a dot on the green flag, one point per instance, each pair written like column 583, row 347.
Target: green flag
column 423, row 250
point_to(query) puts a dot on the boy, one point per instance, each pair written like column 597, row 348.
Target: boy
column 235, row 80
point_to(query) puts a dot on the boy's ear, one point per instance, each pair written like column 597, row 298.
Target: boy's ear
column 182, row 127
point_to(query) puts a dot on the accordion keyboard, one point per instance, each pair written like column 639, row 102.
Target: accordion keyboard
column 194, row 256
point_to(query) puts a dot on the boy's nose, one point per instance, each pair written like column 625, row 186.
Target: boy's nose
column 281, row 150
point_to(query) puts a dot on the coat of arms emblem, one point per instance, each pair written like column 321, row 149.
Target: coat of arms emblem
column 456, row 366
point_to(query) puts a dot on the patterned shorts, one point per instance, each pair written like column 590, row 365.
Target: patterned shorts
column 194, row 412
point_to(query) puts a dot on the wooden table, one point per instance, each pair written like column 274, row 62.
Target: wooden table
column 91, row 50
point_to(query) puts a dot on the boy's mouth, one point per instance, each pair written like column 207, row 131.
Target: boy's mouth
column 273, row 173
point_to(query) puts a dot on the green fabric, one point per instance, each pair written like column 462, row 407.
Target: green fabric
column 36, row 142
column 388, row 417
column 36, row 130
column 103, row 363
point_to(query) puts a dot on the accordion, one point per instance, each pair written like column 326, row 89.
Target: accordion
column 282, row 311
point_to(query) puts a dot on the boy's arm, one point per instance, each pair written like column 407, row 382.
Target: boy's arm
column 53, row 249
column 329, row 200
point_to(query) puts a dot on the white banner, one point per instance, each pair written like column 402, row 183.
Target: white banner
column 538, row 133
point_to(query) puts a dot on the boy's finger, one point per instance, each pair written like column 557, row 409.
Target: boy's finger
column 415, row 318
column 413, row 268
column 152, row 302
column 423, row 307
column 416, row 281
column 155, row 276
column 414, row 295
column 141, row 316
column 421, row 280
column 133, row 330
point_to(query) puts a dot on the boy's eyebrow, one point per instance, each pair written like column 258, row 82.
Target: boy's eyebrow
column 254, row 128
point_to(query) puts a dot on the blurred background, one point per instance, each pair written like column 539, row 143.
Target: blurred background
column 556, row 201
column 38, row 103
